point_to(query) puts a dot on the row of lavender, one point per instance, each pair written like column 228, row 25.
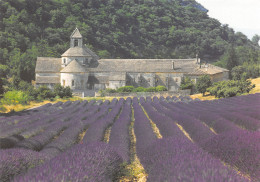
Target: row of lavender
column 92, row 159
column 52, row 141
column 228, row 129
column 179, row 158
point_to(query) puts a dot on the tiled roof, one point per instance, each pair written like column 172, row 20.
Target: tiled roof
column 48, row 64
column 211, row 69
column 47, row 79
column 79, row 51
column 76, row 34
column 73, row 67
column 145, row 65
column 76, row 51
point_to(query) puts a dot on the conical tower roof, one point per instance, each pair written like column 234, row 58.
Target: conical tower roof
column 73, row 67
column 76, row 34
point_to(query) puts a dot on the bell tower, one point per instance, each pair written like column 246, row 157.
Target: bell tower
column 76, row 39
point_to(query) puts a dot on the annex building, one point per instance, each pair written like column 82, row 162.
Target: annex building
column 84, row 72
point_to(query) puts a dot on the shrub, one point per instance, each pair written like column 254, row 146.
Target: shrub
column 203, row 83
column 186, row 83
column 139, row 89
column 61, row 92
column 150, row 89
column 16, row 97
column 2, row 108
column 125, row 89
column 67, row 92
column 160, row 88
column 247, row 70
column 110, row 90
column 230, row 88
column 44, row 92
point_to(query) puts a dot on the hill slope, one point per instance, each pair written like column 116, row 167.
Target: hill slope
column 112, row 28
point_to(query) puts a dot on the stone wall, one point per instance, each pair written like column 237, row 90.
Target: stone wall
column 74, row 80
column 146, row 94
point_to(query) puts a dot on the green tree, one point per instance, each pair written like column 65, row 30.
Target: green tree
column 237, row 72
column 3, row 72
column 203, row 83
column 230, row 88
column 61, row 91
column 256, row 39
column 186, row 83
column 231, row 60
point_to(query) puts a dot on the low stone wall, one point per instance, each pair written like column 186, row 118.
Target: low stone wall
column 146, row 94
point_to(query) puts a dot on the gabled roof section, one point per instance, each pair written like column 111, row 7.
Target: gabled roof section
column 73, row 67
column 212, row 69
column 79, row 51
column 76, row 34
column 76, row 52
column 90, row 52
column 145, row 65
column 48, row 65
column 47, row 79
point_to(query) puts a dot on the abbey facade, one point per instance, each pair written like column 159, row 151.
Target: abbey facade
column 84, row 72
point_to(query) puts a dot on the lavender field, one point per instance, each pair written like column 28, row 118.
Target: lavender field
column 173, row 139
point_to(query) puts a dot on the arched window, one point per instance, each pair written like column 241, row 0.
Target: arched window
column 76, row 43
column 73, row 83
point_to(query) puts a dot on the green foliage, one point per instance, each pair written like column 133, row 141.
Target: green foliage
column 15, row 97
column 246, row 71
column 230, row 88
column 113, row 29
column 232, row 59
column 62, row 92
column 3, row 71
column 125, row 89
column 160, row 88
column 1, row 87
column 43, row 92
column 2, row 108
column 237, row 72
column 139, row 89
column 150, row 89
column 256, row 39
column 203, row 83
column 110, row 90
column 186, row 83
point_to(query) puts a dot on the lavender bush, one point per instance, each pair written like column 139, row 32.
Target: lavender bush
column 119, row 135
column 93, row 162
column 240, row 149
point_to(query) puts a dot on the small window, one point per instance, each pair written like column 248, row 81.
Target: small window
column 76, row 43
column 64, row 61
column 73, row 83
column 157, row 80
column 176, row 79
column 148, row 79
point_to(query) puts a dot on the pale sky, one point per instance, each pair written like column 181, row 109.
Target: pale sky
column 241, row 15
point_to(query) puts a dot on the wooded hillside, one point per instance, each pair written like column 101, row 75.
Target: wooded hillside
column 112, row 28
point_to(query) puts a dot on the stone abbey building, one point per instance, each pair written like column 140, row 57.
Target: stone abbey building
column 83, row 71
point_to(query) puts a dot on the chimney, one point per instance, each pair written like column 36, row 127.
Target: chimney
column 173, row 65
